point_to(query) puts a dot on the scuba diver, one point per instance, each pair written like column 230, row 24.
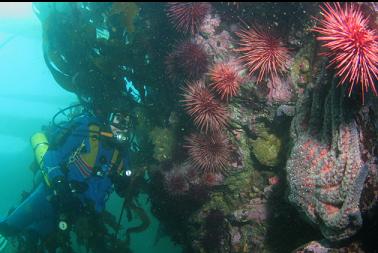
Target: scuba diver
column 80, row 164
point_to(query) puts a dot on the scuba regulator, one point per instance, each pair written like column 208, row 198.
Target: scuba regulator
column 120, row 125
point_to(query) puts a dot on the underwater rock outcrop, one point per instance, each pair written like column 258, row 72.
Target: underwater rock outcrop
column 213, row 97
column 326, row 168
column 321, row 247
column 266, row 148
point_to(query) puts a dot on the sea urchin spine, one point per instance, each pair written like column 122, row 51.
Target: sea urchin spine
column 225, row 80
column 188, row 17
column 353, row 47
column 207, row 113
column 262, row 53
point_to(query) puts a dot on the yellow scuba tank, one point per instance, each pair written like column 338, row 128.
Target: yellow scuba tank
column 40, row 146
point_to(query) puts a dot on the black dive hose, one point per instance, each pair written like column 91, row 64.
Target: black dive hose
column 118, row 138
column 120, row 219
column 63, row 110
column 76, row 116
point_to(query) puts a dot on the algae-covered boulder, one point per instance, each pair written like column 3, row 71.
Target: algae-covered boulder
column 164, row 141
column 266, row 149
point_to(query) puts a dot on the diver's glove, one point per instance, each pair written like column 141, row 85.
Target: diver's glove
column 62, row 192
column 60, row 187
column 121, row 183
column 64, row 199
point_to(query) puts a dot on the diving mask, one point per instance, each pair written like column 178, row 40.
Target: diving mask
column 119, row 126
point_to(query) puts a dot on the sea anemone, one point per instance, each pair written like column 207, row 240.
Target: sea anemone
column 207, row 113
column 262, row 53
column 188, row 61
column 353, row 47
column 188, row 17
column 225, row 79
column 209, row 153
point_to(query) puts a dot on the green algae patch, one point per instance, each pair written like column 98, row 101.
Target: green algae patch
column 164, row 141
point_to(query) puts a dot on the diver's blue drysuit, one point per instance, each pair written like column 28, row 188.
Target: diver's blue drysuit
column 81, row 159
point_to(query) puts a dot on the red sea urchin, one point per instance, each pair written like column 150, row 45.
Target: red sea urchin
column 225, row 80
column 187, row 17
column 188, row 61
column 262, row 53
column 175, row 182
column 353, row 47
column 210, row 153
column 207, row 113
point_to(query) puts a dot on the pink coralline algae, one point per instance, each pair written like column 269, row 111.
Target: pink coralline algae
column 217, row 46
column 326, row 170
column 209, row 24
column 313, row 247
column 280, row 90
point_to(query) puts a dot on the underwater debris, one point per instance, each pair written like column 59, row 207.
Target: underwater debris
column 326, row 170
column 353, row 47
